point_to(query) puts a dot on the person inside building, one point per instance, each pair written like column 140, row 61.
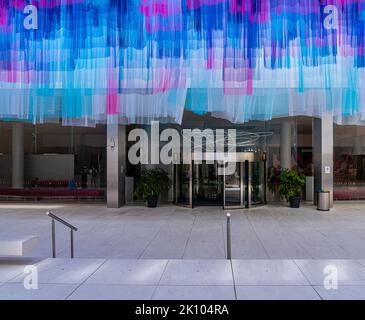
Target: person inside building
column 72, row 185
column 35, row 183
column 94, row 175
column 84, row 177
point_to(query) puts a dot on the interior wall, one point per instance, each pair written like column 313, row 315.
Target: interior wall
column 49, row 167
column 5, row 170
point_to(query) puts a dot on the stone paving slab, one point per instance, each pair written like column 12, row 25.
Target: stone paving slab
column 342, row 293
column 9, row 271
column 198, row 273
column 112, row 292
column 129, row 272
column 194, row 293
column 267, row 272
column 276, row 293
column 349, row 272
column 16, row 291
column 64, row 271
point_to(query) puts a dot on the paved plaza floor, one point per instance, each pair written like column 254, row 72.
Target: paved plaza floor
column 171, row 232
column 147, row 279
column 179, row 253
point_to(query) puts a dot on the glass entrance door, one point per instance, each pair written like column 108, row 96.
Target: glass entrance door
column 200, row 183
column 258, row 183
column 183, row 184
column 233, row 186
column 207, row 184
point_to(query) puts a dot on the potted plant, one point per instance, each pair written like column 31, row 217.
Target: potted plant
column 152, row 182
column 291, row 186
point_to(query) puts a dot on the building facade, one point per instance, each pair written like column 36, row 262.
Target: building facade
column 57, row 154
column 77, row 77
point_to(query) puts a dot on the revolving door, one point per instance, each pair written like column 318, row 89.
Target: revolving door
column 232, row 185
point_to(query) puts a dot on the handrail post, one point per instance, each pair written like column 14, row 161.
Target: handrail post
column 229, row 254
column 70, row 226
column 53, row 239
column 72, row 244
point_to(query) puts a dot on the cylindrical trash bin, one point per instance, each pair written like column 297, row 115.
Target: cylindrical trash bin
column 323, row 201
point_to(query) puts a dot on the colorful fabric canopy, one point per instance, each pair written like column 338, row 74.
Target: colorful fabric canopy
column 133, row 61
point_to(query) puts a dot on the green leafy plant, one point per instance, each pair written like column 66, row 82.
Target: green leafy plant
column 151, row 184
column 291, row 184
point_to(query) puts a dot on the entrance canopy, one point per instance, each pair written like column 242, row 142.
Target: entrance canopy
column 133, row 61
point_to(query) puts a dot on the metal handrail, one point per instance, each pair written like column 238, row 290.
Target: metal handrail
column 50, row 214
column 65, row 223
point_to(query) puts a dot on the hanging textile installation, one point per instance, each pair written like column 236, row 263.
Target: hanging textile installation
column 91, row 61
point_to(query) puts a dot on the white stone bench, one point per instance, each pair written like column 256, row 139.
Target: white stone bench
column 18, row 246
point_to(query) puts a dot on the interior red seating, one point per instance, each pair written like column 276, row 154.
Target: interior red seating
column 53, row 193
column 49, row 184
column 349, row 193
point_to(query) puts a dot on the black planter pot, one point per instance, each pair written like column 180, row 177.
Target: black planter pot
column 152, row 202
column 294, row 202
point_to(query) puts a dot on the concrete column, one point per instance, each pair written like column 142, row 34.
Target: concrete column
column 285, row 145
column 153, row 146
column 18, row 156
column 323, row 155
column 116, row 165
